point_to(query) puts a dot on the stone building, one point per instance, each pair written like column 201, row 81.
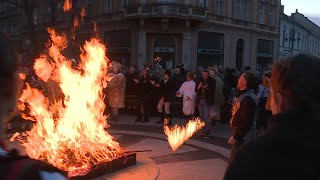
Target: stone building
column 232, row 33
column 298, row 35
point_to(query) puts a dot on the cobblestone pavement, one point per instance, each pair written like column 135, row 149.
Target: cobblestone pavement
column 198, row 158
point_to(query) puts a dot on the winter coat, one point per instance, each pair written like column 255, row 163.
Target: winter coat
column 219, row 96
column 167, row 90
column 207, row 93
column 288, row 150
column 243, row 115
column 187, row 90
column 144, row 90
column 116, row 90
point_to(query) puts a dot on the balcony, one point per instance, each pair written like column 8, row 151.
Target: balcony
column 241, row 23
column 176, row 10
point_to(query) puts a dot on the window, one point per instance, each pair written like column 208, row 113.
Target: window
column 219, row 7
column 204, row 3
column 241, row 9
column 306, row 43
column 108, row 6
column 236, row 9
column 245, row 9
column 261, row 12
column 35, row 16
column 271, row 15
column 126, row 3
column 302, row 42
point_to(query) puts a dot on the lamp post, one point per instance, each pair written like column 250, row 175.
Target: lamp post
column 292, row 37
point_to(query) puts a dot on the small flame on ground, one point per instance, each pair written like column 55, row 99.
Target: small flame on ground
column 67, row 5
column 177, row 135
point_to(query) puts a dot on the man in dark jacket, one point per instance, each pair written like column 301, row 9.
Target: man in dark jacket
column 290, row 148
column 243, row 112
column 205, row 90
column 13, row 166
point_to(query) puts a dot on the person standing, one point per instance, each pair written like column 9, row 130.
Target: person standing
column 187, row 90
column 263, row 115
column 144, row 96
column 131, row 89
column 205, row 90
column 290, row 147
column 243, row 113
column 219, row 95
column 116, row 90
column 167, row 89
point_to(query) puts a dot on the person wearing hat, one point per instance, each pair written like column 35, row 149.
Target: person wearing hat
column 116, row 90
column 167, row 92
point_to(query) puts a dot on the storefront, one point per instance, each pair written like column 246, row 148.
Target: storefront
column 210, row 49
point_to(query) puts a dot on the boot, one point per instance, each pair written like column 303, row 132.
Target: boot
column 161, row 118
column 145, row 118
column 168, row 119
column 139, row 118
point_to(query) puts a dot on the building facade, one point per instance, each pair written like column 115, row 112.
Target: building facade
column 298, row 35
column 232, row 33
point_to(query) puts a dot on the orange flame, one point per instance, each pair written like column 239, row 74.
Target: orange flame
column 178, row 135
column 67, row 5
column 83, row 13
column 94, row 26
column 70, row 135
column 75, row 22
column 22, row 76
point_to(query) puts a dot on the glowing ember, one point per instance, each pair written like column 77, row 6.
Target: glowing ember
column 70, row 135
column 67, row 5
column 178, row 135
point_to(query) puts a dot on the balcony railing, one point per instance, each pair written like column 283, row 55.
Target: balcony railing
column 178, row 10
column 239, row 22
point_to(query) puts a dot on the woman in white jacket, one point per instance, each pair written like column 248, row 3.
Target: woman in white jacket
column 187, row 90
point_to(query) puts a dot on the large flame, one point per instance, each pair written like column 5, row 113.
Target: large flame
column 69, row 131
column 178, row 135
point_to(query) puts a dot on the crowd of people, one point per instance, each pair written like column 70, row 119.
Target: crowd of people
column 208, row 93
column 275, row 119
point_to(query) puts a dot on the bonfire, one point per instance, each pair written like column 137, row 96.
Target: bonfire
column 69, row 132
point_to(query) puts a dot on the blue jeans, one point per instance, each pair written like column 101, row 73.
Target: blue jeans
column 204, row 110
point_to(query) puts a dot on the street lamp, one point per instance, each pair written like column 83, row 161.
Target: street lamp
column 292, row 37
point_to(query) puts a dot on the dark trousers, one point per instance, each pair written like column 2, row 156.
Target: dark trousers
column 144, row 108
column 234, row 149
column 262, row 115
